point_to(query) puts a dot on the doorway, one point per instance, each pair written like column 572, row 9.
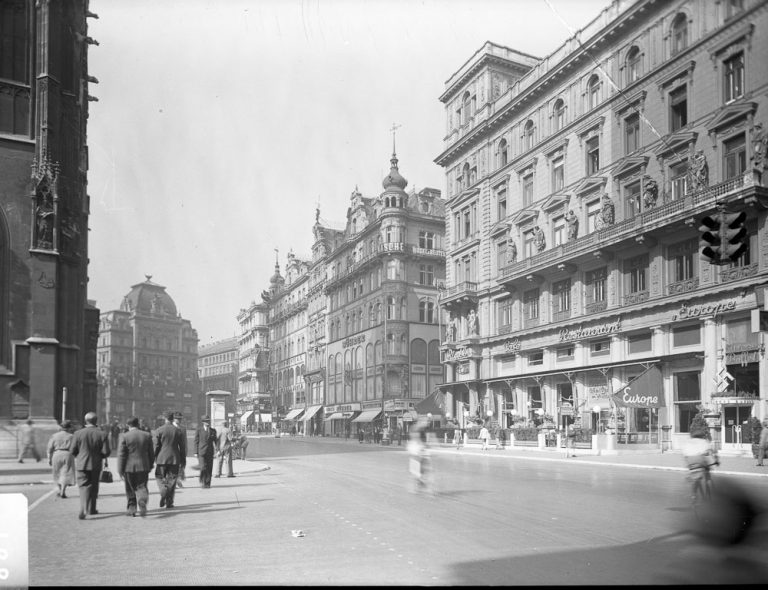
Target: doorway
column 734, row 416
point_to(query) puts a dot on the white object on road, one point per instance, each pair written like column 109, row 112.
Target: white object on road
column 297, row 533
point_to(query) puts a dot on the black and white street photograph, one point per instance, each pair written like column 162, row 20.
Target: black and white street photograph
column 383, row 293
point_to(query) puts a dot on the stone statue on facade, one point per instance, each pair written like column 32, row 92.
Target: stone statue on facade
column 472, row 322
column 538, row 239
column 608, row 213
column 650, row 192
column 698, row 172
column 573, row 225
column 44, row 219
column 451, row 332
column 511, row 250
column 759, row 150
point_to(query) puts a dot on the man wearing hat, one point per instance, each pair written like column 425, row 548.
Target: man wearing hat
column 205, row 445
column 169, row 458
column 177, row 423
column 225, row 449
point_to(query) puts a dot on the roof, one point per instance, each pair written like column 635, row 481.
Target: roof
column 147, row 298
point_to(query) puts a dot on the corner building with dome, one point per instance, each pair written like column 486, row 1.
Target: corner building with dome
column 147, row 359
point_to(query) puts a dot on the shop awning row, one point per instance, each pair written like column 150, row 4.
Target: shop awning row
column 310, row 413
column 368, row 416
column 266, row 417
column 339, row 416
column 244, row 417
column 643, row 362
column 293, row 414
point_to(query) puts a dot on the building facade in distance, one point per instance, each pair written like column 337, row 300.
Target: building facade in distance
column 218, row 369
column 576, row 186
column 47, row 325
column 253, row 376
column 147, row 359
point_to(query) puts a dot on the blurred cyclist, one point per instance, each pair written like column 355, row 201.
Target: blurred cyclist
column 700, row 458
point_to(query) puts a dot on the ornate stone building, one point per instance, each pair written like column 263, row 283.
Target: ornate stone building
column 47, row 326
column 576, row 185
column 218, row 370
column 147, row 359
column 253, row 379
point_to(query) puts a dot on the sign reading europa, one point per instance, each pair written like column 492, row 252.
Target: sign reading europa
column 694, row 311
column 567, row 335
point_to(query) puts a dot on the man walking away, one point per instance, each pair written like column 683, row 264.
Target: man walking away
column 169, row 458
column 90, row 448
column 484, row 436
column 762, row 444
column 177, row 423
column 205, row 446
column 135, row 458
column 28, row 442
column 225, row 449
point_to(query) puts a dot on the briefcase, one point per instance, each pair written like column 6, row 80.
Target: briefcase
column 106, row 476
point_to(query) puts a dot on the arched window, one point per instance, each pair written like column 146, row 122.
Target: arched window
column 390, row 308
column 426, row 311
column 402, row 315
column 419, row 351
column 391, row 342
column 593, row 91
column 503, row 153
column 466, row 104
column 465, row 177
column 528, row 132
column 633, row 64
column 679, row 33
column 558, row 115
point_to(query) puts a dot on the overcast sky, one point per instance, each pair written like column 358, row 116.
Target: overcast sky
column 220, row 125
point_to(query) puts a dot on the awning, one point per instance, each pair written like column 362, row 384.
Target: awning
column 293, row 414
column 311, row 411
column 335, row 416
column 410, row 416
column 368, row 415
column 603, row 402
column 266, row 417
column 244, row 417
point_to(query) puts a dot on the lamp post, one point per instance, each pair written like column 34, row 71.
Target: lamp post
column 489, row 413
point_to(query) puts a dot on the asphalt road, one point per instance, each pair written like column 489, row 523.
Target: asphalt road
column 491, row 521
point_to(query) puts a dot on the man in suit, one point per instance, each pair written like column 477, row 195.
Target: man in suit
column 135, row 458
column 90, row 448
column 205, row 446
column 225, row 449
column 177, row 423
column 169, row 458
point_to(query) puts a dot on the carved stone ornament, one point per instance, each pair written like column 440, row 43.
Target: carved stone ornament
column 759, row 149
column 608, row 213
column 573, row 225
column 650, row 192
column 538, row 239
column 698, row 171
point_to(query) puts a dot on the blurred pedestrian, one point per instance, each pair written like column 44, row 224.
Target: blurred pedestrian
column 169, row 459
column 177, row 423
column 144, row 426
column 60, row 458
column 458, row 437
column 90, row 449
column 224, row 448
column 360, row 434
column 700, row 458
column 205, row 446
column 762, row 444
column 501, row 437
column 28, row 441
column 243, row 446
column 135, row 458
column 484, row 436
column 114, row 435
column 419, row 458
column 399, row 435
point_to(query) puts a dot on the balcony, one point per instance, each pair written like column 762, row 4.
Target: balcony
column 363, row 261
column 465, row 291
column 693, row 204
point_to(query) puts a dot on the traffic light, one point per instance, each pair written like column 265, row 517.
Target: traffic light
column 711, row 240
column 734, row 234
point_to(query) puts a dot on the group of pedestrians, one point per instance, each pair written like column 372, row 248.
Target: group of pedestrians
column 80, row 457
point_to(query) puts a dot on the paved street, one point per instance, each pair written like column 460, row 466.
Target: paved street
column 499, row 517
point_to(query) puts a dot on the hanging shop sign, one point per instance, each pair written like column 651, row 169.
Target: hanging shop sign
column 705, row 309
column 567, row 335
column 457, row 354
column 512, row 345
column 743, row 354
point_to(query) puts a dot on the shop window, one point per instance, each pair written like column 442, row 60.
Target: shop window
column 686, row 335
column 687, row 398
column 638, row 343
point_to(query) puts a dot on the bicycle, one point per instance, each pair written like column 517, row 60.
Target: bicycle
column 700, row 478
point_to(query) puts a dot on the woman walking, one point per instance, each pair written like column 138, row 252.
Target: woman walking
column 61, row 460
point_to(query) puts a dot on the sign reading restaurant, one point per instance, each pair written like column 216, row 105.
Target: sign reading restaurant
column 567, row 335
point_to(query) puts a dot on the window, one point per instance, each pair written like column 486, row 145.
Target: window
column 565, row 353
column 14, row 102
column 679, row 33
column 595, row 281
column 426, row 274
column 687, row 398
column 529, row 248
column 633, row 65
column 682, row 267
column 593, row 155
column 426, row 240
column 531, row 304
column 558, row 115
column 501, row 254
column 636, row 270
column 528, row 132
column 536, row 358
column 558, row 230
column 558, row 174
column 734, row 157
column 632, row 200
column 501, row 204
column 637, row 343
column 593, row 215
column 733, row 77
column 503, row 153
column 505, row 311
column 631, row 133
column 390, row 308
column 678, row 180
column 746, row 258
column 678, row 108
column 561, row 299
column 426, row 312
column 467, row 224
column 528, row 189
column 466, row 108
column 686, row 335
column 593, row 92
column 600, row 347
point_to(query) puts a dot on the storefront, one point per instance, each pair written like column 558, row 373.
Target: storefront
column 338, row 419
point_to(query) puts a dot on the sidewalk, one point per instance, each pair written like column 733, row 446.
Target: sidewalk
column 637, row 459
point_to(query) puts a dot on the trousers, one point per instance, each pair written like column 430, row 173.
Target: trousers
column 166, row 475
column 88, row 484
column 136, row 487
